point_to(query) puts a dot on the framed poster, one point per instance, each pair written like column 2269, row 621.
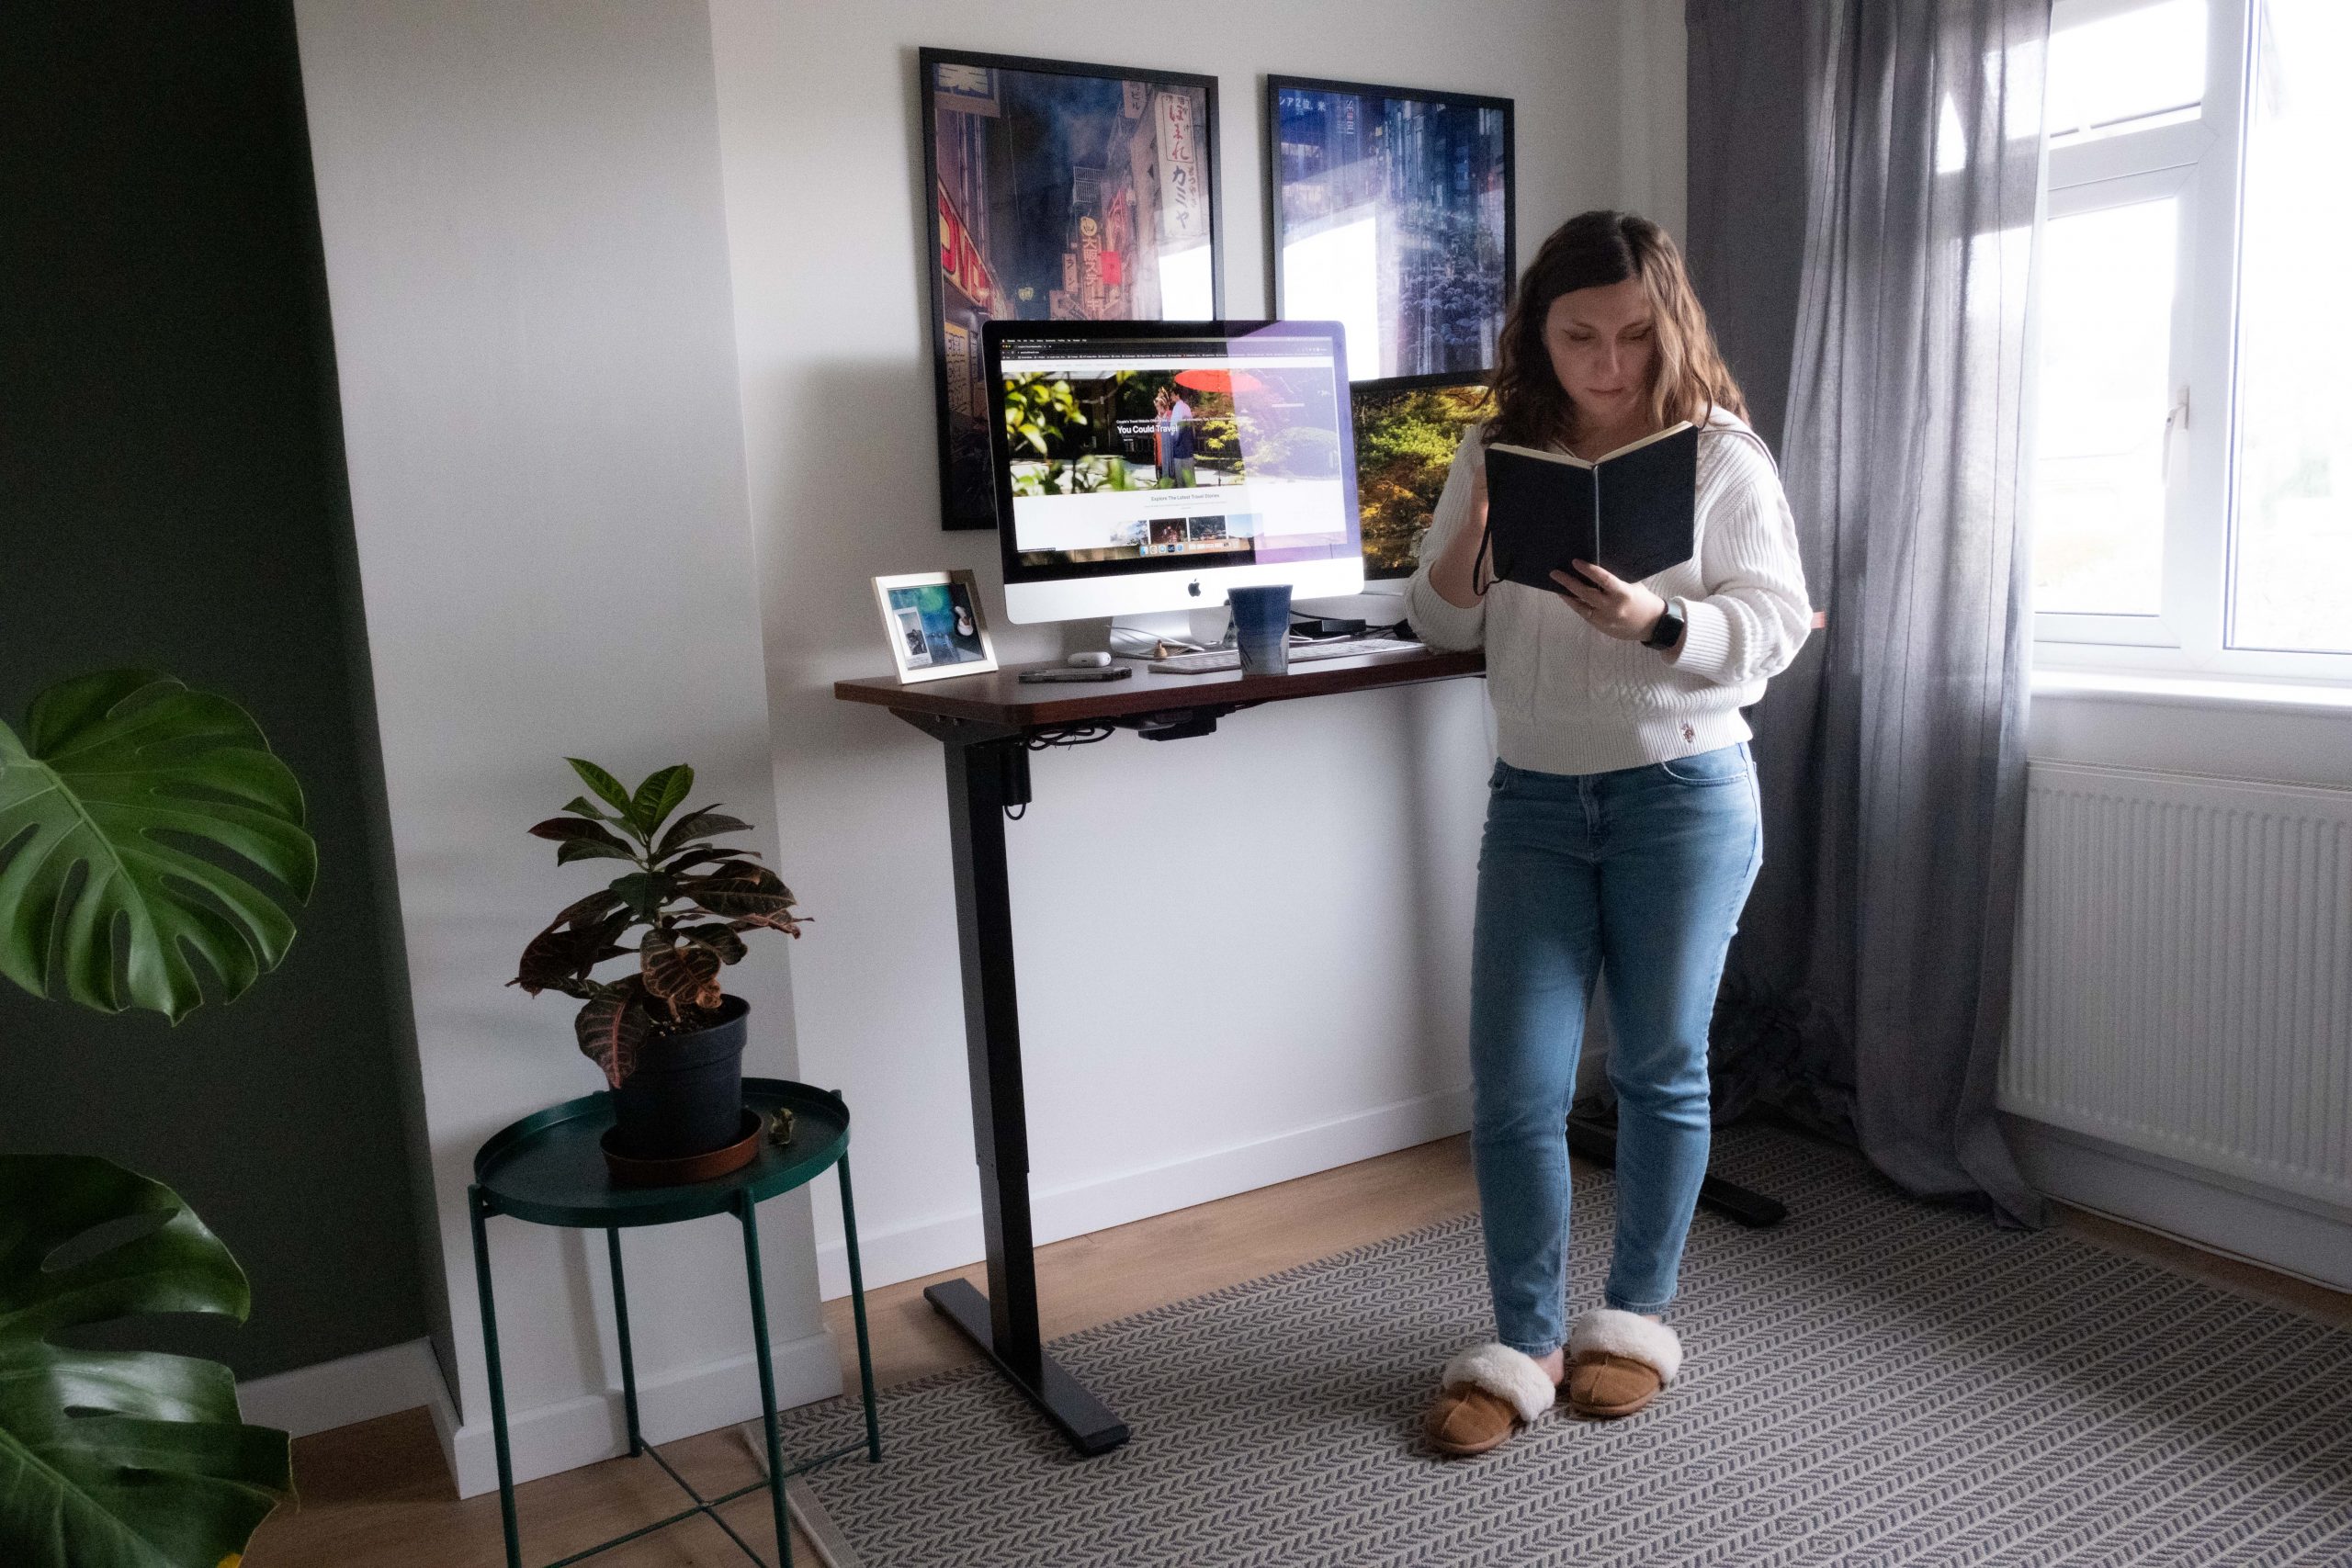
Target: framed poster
column 1392, row 210
column 1407, row 434
column 933, row 622
column 1057, row 191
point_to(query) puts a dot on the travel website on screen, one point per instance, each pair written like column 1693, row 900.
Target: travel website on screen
column 1162, row 455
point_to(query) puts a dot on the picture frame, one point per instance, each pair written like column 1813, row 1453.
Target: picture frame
column 1407, row 431
column 1056, row 190
column 924, row 616
column 1345, row 218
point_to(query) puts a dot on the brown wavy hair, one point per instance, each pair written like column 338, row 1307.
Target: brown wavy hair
column 1688, row 378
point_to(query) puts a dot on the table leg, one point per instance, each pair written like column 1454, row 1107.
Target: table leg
column 983, row 778
column 748, row 1209
column 857, row 1311
column 1596, row 1141
column 620, row 1327
column 977, row 791
column 477, row 1210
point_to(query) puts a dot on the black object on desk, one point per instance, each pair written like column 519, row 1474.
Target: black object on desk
column 549, row 1169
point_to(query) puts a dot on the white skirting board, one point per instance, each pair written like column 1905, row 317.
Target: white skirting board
column 339, row 1393
column 546, row 1440
column 912, row 1251
column 2286, row 1232
column 565, row 1436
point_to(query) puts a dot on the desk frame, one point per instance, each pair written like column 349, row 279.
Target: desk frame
column 986, row 726
column 988, row 771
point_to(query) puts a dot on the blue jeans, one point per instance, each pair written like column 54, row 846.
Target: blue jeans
column 1639, row 875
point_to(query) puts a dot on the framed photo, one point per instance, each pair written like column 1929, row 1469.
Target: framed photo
column 933, row 622
column 1062, row 192
column 1407, row 434
column 1393, row 210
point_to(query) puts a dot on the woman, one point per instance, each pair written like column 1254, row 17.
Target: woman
column 1176, row 438
column 1622, row 828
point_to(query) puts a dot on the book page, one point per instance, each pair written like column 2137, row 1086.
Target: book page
column 1569, row 458
column 1675, row 428
column 1573, row 461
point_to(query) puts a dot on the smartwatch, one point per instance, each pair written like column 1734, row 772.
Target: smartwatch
column 1668, row 630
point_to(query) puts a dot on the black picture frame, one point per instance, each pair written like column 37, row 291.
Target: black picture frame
column 962, row 255
column 1397, row 483
column 1371, row 361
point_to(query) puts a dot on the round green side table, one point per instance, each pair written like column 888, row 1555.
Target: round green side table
column 548, row 1169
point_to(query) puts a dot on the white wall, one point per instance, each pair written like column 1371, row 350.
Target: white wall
column 1184, row 1036
column 591, row 263
column 1651, row 103
column 527, row 268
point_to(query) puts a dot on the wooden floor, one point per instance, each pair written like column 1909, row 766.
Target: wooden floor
column 374, row 1496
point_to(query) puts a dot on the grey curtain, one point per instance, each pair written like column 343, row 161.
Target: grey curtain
column 1862, row 191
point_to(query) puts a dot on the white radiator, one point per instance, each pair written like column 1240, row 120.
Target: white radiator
column 2184, row 972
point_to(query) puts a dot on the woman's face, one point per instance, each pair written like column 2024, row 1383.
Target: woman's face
column 1602, row 342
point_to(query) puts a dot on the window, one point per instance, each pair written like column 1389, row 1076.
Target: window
column 2192, row 454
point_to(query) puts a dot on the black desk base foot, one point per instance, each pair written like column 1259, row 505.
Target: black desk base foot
column 1085, row 1420
column 1596, row 1141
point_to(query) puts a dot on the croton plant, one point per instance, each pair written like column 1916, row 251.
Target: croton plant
column 693, row 898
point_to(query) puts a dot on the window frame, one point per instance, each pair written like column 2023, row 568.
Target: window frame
column 2197, row 160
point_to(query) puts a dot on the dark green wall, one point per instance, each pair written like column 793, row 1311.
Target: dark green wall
column 172, row 496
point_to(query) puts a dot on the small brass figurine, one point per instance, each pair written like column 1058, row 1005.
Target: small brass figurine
column 780, row 1127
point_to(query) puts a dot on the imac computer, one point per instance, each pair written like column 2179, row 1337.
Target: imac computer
column 1151, row 466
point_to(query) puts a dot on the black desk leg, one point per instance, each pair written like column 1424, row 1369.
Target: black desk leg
column 984, row 776
column 1596, row 1141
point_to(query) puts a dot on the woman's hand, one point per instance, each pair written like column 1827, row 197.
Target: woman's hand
column 1626, row 611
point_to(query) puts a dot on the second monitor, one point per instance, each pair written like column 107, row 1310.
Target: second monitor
column 1148, row 466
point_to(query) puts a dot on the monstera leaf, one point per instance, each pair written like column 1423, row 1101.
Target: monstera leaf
column 117, row 1459
column 115, row 774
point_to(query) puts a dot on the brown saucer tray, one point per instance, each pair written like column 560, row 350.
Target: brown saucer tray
column 628, row 1172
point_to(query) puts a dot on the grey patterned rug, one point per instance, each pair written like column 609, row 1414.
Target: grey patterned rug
column 1874, row 1382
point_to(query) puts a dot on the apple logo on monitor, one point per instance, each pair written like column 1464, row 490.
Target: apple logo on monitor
column 1193, row 588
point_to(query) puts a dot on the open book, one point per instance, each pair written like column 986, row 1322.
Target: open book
column 1633, row 511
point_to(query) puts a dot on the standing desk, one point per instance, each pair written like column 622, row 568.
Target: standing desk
column 987, row 724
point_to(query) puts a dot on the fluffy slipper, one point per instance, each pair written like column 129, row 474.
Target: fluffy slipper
column 1618, row 1361
column 1484, row 1394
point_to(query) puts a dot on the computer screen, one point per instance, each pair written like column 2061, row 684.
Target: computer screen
column 1407, row 434
column 1149, row 466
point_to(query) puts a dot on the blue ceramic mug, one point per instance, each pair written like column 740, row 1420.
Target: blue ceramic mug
column 1262, row 627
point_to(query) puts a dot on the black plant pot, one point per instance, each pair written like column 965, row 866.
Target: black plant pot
column 686, row 1096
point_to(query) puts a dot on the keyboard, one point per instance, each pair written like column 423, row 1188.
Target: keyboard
column 1217, row 659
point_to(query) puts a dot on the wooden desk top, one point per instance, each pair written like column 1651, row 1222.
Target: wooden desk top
column 998, row 697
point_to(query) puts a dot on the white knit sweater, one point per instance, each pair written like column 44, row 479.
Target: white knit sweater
column 1570, row 700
